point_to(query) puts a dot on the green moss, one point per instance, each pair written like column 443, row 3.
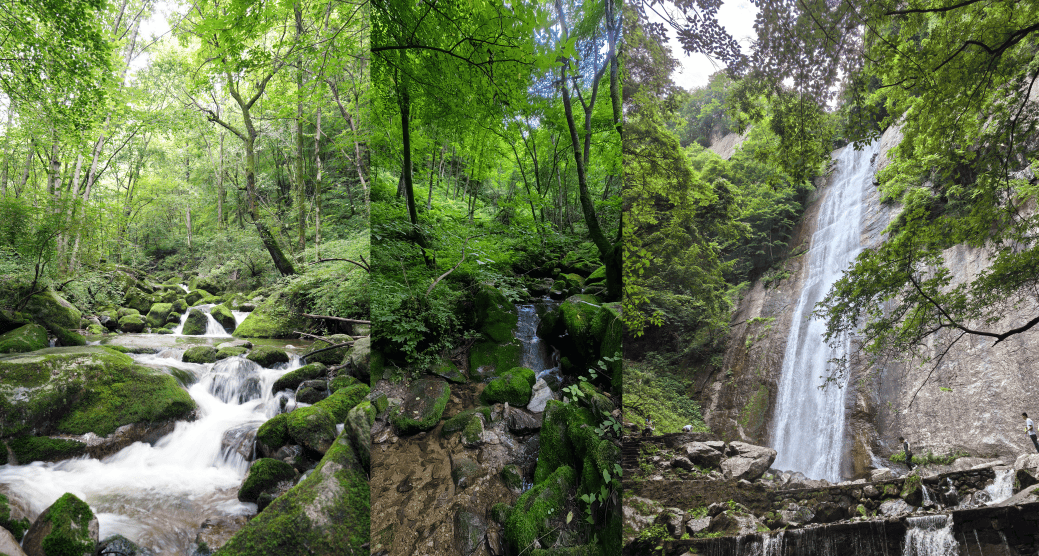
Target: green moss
column 194, row 296
column 608, row 329
column 337, row 491
column 30, row 337
column 343, row 400
column 267, row 356
column 500, row 512
column 312, row 427
column 17, row 527
column 275, row 432
column 473, row 430
column 264, row 473
column 196, row 323
column 123, row 311
column 332, row 356
column 753, row 415
column 180, row 306
column 557, row 448
column 510, row 475
column 52, row 309
column 95, row 329
column 340, row 382
column 491, row 355
column 496, row 318
column 359, row 422
column 528, row 520
column 271, row 320
column 200, row 354
column 291, row 380
column 224, row 353
column 513, row 386
column 131, row 323
column 462, row 419
column 598, row 276
column 137, row 299
column 28, row 449
column 381, row 403
column 70, row 518
column 422, row 409
column 578, row 312
column 67, row 338
column 158, row 314
column 223, row 316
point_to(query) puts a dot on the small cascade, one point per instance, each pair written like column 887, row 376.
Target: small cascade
column 239, row 316
column 179, row 330
column 1001, row 488
column 929, row 535
column 235, row 380
column 928, row 501
column 808, row 430
column 184, row 287
column 213, row 328
column 535, row 352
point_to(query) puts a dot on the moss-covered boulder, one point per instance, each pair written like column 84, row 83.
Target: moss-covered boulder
column 132, row 323
column 123, row 311
column 267, row 356
column 208, row 283
column 450, row 372
column 223, row 316
column 359, row 422
column 11, row 519
column 341, row 381
column 487, row 359
column 530, row 518
column 331, row 356
column 196, row 324
column 95, row 329
column 312, row 427
column 329, row 512
column 423, row 406
column 358, row 359
column 52, row 309
column 75, row 390
column 29, row 337
column 596, row 277
column 67, row 338
column 27, row 449
column 513, row 386
column 232, row 351
column 578, row 312
column 179, row 305
column 194, row 296
column 292, row 379
column 199, row 354
column 608, row 329
column 463, row 419
column 272, row 319
column 137, row 299
column 495, row 317
column 159, row 314
column 274, row 433
column 264, row 474
column 66, row 528
column 343, row 400
column 9, row 320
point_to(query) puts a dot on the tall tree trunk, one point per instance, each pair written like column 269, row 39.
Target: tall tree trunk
column 301, row 219
column 221, row 194
column 317, row 185
column 7, row 150
column 409, row 186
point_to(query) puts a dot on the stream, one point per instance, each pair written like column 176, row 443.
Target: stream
column 159, row 495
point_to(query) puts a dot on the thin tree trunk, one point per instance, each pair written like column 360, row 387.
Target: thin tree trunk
column 317, row 185
column 7, row 150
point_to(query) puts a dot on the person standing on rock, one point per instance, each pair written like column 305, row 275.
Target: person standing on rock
column 908, row 451
column 648, row 431
column 1030, row 429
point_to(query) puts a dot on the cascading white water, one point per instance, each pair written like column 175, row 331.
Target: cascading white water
column 1002, row 487
column 159, row 495
column 213, row 328
column 929, row 535
column 808, row 424
column 535, row 352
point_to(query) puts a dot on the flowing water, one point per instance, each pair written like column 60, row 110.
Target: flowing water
column 930, row 535
column 158, row 495
column 213, row 328
column 535, row 353
column 1001, row 488
column 808, row 429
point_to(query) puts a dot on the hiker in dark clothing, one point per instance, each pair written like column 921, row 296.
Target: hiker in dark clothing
column 1030, row 429
column 908, row 451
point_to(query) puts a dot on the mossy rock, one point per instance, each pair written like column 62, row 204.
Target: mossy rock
column 608, row 330
column 600, row 404
column 312, row 427
column 162, row 331
column 381, row 403
column 359, row 422
column 487, row 359
column 173, row 319
column 578, row 312
column 196, row 324
column 461, row 421
column 343, row 400
column 267, row 356
column 132, row 323
column 27, row 449
column 194, row 296
column 200, row 354
column 179, row 305
column 513, row 386
column 159, row 314
column 292, row 379
column 472, row 434
column 272, row 319
column 29, row 337
column 496, row 318
column 332, row 356
column 66, row 528
column 233, row 351
column 358, row 359
column 17, row 527
column 208, row 283
column 67, row 338
column 52, row 309
column 911, row 491
column 596, row 277
column 328, row 512
column 223, row 316
column 123, row 311
column 512, row 477
column 340, row 382
column 264, row 474
column 137, row 299
column 167, row 296
column 464, row 471
column 557, row 448
column 275, row 432
column 447, row 370
column 529, row 519
column 423, row 406
column 9, row 320
column 94, row 329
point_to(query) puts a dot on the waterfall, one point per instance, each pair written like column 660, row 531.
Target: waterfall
column 158, row 495
column 929, row 535
column 1002, row 487
column 213, row 328
column 535, row 352
column 808, row 424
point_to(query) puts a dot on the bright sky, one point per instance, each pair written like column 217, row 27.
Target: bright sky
column 737, row 16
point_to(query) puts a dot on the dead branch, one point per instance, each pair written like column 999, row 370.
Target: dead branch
column 340, row 319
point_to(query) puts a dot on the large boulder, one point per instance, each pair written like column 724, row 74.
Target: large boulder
column 267, row 356
column 195, row 296
column 75, row 390
column 52, row 309
column 9, row 545
column 328, row 356
column 292, row 379
column 423, row 407
column 540, row 396
column 1026, row 471
column 196, row 324
column 530, row 518
column 487, row 359
column 343, row 400
column 272, row 319
column 30, row 337
column 328, row 512
column 703, row 455
column 9, row 320
column 358, row 359
column 747, row 461
column 223, row 316
column 137, row 299
column 359, row 423
column 199, row 354
column 158, row 314
column 264, row 474
column 312, row 427
column 132, row 324
column 513, row 386
column 66, row 528
column 495, row 317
